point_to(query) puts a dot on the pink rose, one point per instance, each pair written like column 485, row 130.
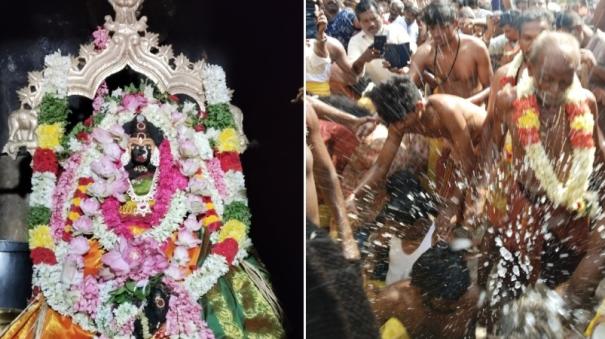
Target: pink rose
column 78, row 246
column 99, row 189
column 114, row 260
column 71, row 273
column 83, row 225
column 192, row 224
column 189, row 167
column 187, row 148
column 134, row 102
column 174, row 272
column 187, row 239
column 180, row 256
column 117, row 131
column 119, row 186
column 112, row 150
column 90, row 206
column 104, row 167
column 177, row 118
column 101, row 135
column 198, row 186
column 97, row 104
column 101, row 38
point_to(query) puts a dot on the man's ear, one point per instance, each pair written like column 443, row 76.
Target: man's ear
column 420, row 105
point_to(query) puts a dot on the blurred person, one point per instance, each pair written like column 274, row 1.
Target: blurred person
column 409, row 22
column 449, row 72
column 371, row 24
column 438, row 301
column 319, row 169
column 395, row 10
column 504, row 47
column 342, row 22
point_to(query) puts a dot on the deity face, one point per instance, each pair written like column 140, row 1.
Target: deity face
column 141, row 149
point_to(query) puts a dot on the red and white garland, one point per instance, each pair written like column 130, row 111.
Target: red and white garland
column 573, row 194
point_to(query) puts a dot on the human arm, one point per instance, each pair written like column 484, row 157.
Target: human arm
column 327, row 181
column 378, row 172
column 418, row 65
column 361, row 126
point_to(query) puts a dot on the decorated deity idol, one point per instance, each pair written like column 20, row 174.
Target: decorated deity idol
column 138, row 217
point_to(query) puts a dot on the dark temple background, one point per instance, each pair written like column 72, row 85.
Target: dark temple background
column 260, row 48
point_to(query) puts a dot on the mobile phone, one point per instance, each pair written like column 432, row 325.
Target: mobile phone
column 398, row 55
column 379, row 42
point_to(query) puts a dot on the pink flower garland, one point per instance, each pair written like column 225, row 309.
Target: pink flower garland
column 184, row 314
column 89, row 300
column 170, row 179
column 214, row 168
column 64, row 187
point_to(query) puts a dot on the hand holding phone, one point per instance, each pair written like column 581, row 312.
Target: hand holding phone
column 379, row 42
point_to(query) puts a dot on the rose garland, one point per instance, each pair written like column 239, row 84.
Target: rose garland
column 572, row 194
column 71, row 232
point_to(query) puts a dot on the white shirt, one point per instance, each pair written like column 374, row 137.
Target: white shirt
column 400, row 263
column 361, row 41
column 317, row 69
column 411, row 29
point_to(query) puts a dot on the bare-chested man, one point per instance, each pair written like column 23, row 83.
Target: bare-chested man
column 459, row 63
column 530, row 24
column 439, row 301
column 320, row 168
column 546, row 225
column 456, row 120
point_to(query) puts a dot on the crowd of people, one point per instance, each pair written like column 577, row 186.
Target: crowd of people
column 455, row 166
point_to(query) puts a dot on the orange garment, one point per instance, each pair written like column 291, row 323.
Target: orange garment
column 53, row 325
column 340, row 142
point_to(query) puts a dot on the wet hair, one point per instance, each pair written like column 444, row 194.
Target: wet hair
column 337, row 306
column 408, row 201
column 441, row 273
column 509, row 18
column 364, row 6
column 395, row 98
column 345, row 104
column 549, row 40
column 535, row 14
column 568, row 20
column 439, row 13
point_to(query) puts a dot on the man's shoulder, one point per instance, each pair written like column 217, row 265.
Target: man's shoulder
column 471, row 41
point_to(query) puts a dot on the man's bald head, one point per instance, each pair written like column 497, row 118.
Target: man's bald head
column 554, row 44
column 553, row 61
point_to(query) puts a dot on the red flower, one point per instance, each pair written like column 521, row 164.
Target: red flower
column 199, row 128
column 83, row 136
column 227, row 248
column 574, row 110
column 85, row 181
column 581, row 140
column 45, row 160
column 88, row 122
column 202, row 114
column 174, row 98
column 43, row 255
column 230, row 161
column 528, row 136
column 66, row 236
column 523, row 104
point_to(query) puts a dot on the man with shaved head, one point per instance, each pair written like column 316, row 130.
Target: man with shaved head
column 550, row 220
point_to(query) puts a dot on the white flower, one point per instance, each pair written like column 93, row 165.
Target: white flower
column 173, row 219
column 43, row 186
column 236, row 189
column 125, row 312
column 203, row 146
column 55, row 74
column 189, row 107
column 74, row 145
column 213, row 78
column 212, row 133
column 202, row 280
column 148, row 93
column 117, row 92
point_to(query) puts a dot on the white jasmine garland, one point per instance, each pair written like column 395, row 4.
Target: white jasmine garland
column 206, row 276
column 215, row 86
column 242, row 251
column 43, row 186
column 190, row 108
column 107, row 238
column 574, row 192
column 212, row 133
column 203, row 146
column 55, row 74
column 172, row 221
column 236, row 186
